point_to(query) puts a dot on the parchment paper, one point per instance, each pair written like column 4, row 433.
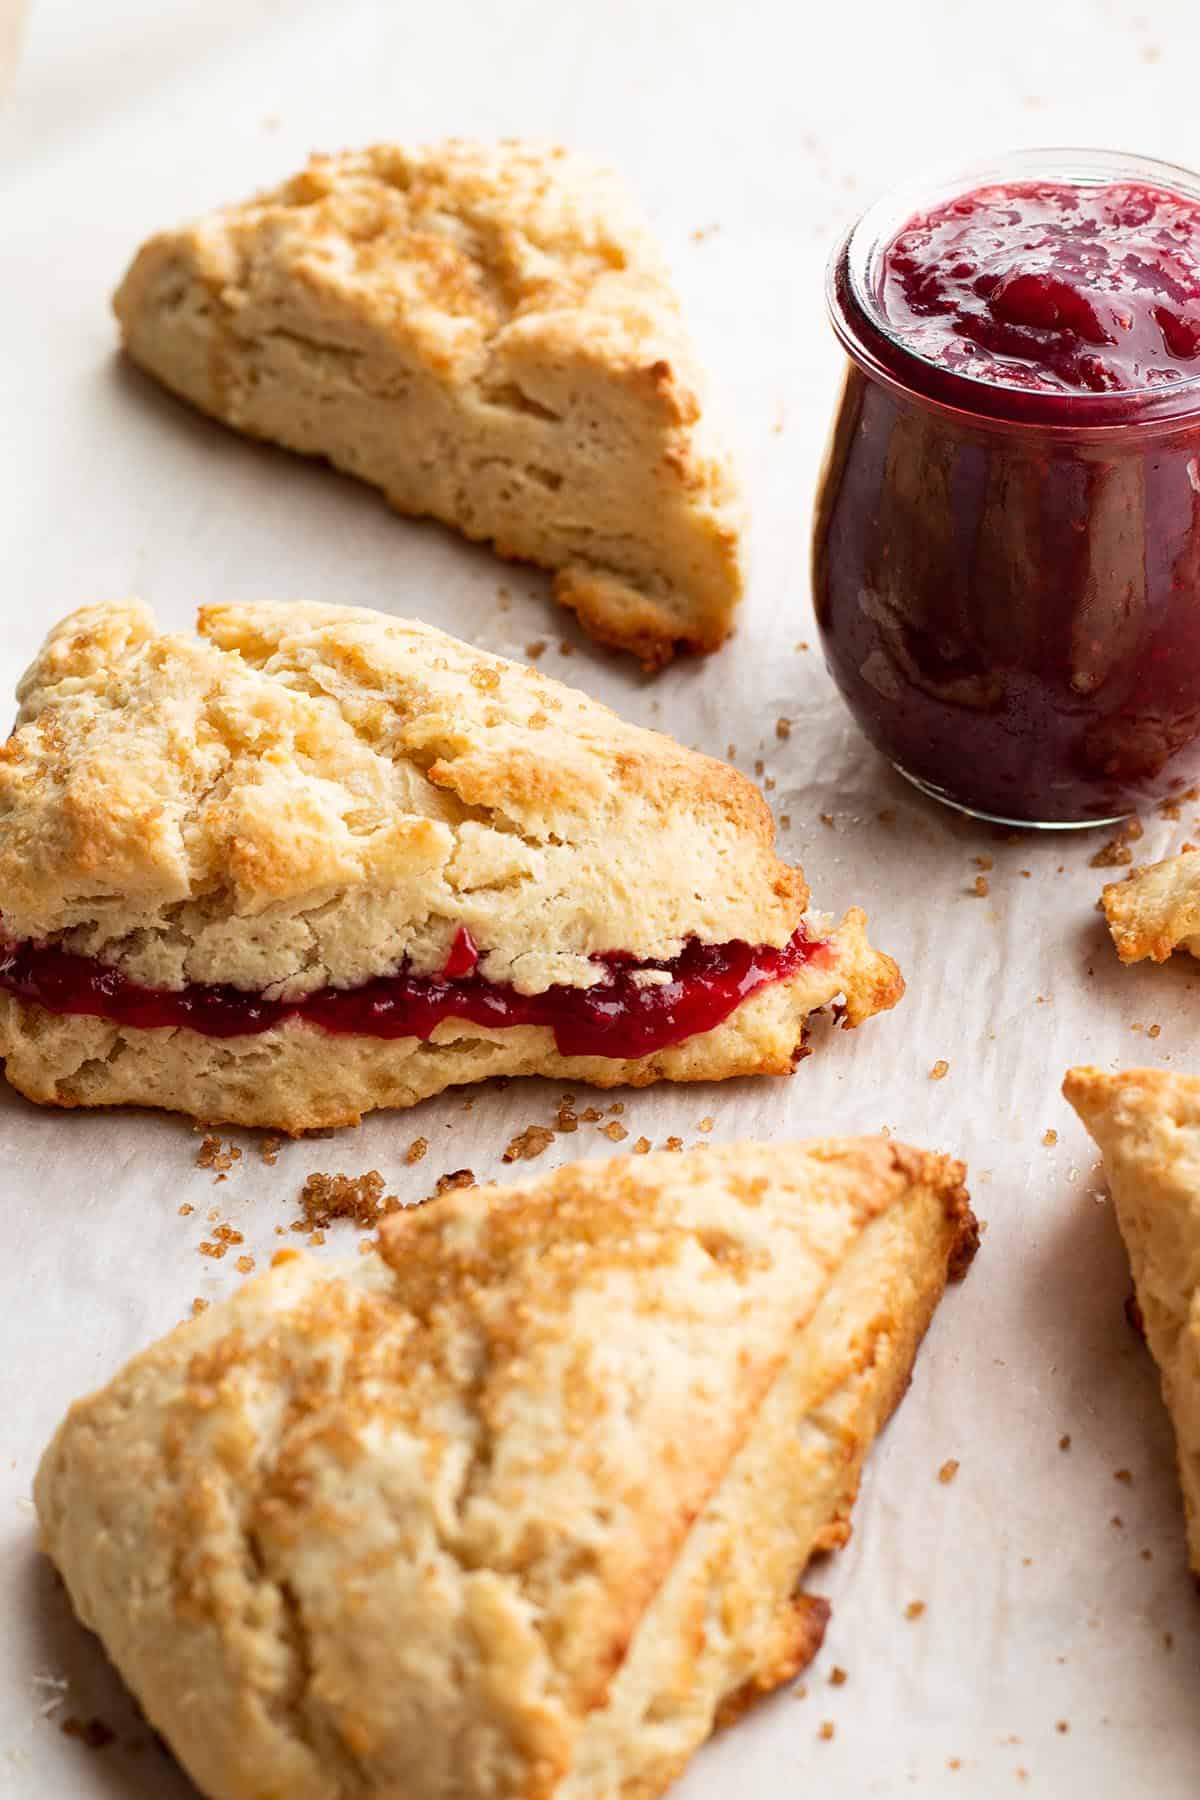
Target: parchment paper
column 1059, row 1636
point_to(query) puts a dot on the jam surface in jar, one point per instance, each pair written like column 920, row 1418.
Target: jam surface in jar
column 1052, row 286
column 1007, row 546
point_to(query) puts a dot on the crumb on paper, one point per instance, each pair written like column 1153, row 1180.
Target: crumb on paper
column 527, row 1144
column 785, row 821
column 948, row 1471
column 825, row 1730
column 1125, row 1475
column 453, row 1178
column 826, row 819
column 244, row 1265
column 535, row 649
column 185, row 1209
column 199, row 1306
column 642, row 1146
column 564, row 648
column 1170, row 809
column 800, row 1691
column 730, row 752
column 914, row 1609
column 887, row 815
column 92, row 1732
column 981, row 888
column 940, row 1070
column 268, row 1149
column 416, row 1150
column 759, row 765
column 1117, row 1522
column 591, row 1115
column 359, row 1198
column 802, row 644
column 1168, row 1640
column 1146, row 1555
column 614, row 1130
column 706, row 1123
column 783, row 729
column 1154, row 1031
column 984, row 862
column 837, row 1677
column 213, row 1154
column 955, row 1762
column 1061, row 1725
column 673, row 1143
column 1050, row 1138
column 1116, row 853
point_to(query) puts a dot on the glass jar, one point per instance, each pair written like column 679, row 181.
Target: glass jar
column 1007, row 580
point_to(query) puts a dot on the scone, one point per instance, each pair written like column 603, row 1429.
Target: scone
column 1157, row 910
column 321, row 861
column 1147, row 1125
column 520, row 1510
column 487, row 333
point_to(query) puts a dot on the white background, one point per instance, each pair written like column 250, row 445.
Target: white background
column 762, row 127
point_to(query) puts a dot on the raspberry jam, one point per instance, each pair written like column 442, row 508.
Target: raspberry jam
column 1053, row 286
column 1006, row 555
column 621, row 1017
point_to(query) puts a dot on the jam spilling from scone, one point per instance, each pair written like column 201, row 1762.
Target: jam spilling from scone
column 639, row 1008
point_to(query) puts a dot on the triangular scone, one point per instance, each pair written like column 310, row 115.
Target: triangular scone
column 488, row 334
column 1157, row 910
column 520, row 1509
column 1147, row 1125
column 320, row 860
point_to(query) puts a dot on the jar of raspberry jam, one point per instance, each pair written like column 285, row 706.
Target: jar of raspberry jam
column 1007, row 542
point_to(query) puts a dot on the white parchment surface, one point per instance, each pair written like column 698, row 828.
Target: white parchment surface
column 1058, row 1643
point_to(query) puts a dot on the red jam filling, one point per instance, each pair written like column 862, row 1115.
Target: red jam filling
column 618, row 1017
column 1053, row 286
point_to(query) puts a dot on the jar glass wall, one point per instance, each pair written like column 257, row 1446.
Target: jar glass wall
column 1007, row 581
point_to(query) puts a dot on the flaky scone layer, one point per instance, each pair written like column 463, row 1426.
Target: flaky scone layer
column 1147, row 1125
column 310, row 795
column 299, row 1077
column 488, row 334
column 519, row 1511
column 1157, row 910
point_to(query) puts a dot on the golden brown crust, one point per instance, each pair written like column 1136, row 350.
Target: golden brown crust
column 297, row 1078
column 487, row 333
column 1147, row 1125
column 512, row 1513
column 1157, row 910
column 315, row 796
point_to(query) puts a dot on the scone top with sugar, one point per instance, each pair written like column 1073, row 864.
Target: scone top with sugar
column 311, row 795
column 487, row 333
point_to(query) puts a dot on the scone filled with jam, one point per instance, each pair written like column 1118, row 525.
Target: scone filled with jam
column 318, row 860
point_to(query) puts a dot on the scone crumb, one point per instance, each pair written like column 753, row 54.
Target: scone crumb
column 785, row 821
column 914, row 1609
column 783, row 729
column 618, row 1106
column 673, row 1143
column 1125, row 1475
column 1170, row 809
column 527, row 1144
column 185, row 1209
column 948, row 1471
column 269, row 1150
column 982, row 889
column 837, row 1677
column 1064, row 1442
column 706, row 1124
column 984, row 862
column 244, row 1265
column 416, row 1150
column 1168, row 1640
column 1050, row 1138
column 199, row 1306
column 1153, row 1031
column 614, row 1130
column 826, row 819
column 887, row 815
column 92, row 1732
column 641, row 1147
column 940, row 1070
column 213, row 1154
column 1061, row 1725
column 536, row 649
column 825, row 1730
column 591, row 1115
column 566, row 1118
column 359, row 1198
column 453, row 1178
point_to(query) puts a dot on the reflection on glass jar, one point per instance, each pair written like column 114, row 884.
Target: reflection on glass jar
column 1007, row 575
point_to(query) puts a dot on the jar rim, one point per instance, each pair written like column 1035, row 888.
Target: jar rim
column 873, row 341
